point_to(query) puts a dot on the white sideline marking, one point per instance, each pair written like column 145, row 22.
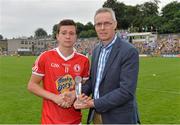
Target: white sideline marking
column 170, row 92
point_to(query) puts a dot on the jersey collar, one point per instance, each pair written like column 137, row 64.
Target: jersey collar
column 68, row 57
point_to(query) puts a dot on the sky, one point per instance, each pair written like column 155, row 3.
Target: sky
column 20, row 18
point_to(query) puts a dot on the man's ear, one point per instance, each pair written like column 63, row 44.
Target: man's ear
column 115, row 25
column 57, row 34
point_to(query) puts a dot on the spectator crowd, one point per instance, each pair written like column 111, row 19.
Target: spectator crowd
column 164, row 45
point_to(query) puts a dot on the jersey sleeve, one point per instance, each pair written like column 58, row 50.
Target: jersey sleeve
column 86, row 70
column 39, row 65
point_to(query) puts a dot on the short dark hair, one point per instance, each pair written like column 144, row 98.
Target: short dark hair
column 66, row 22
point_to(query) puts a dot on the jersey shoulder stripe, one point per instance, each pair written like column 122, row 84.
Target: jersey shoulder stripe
column 81, row 55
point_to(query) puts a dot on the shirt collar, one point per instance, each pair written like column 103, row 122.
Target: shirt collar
column 110, row 44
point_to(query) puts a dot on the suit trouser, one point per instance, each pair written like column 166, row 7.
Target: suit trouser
column 97, row 119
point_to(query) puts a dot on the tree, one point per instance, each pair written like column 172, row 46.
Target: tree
column 170, row 10
column 87, row 34
column 40, row 32
column 171, row 16
column 88, row 26
column 146, row 16
column 132, row 16
column 86, row 31
column 54, row 32
column 80, row 27
column 149, row 9
column 119, row 9
column 1, row 37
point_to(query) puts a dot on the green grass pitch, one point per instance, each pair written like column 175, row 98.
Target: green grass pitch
column 158, row 91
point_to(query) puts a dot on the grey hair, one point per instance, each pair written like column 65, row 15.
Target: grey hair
column 109, row 10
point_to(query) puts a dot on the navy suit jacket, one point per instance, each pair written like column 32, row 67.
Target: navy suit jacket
column 117, row 101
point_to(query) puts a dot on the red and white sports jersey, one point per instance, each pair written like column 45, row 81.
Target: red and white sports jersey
column 58, row 74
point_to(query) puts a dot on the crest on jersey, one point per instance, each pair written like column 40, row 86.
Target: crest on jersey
column 77, row 68
column 65, row 83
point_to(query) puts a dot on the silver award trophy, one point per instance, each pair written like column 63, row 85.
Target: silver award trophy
column 78, row 86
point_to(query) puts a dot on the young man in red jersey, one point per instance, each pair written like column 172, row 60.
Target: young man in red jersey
column 57, row 69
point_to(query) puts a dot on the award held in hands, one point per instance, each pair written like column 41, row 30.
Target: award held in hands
column 78, row 85
column 78, row 88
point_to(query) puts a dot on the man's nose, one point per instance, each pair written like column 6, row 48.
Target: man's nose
column 67, row 35
column 102, row 26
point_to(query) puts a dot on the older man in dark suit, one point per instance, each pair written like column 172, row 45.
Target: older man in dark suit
column 113, row 77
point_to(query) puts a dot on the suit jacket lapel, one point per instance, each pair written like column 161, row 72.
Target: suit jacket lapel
column 96, row 59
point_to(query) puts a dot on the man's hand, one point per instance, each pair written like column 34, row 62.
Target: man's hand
column 83, row 102
column 69, row 98
column 58, row 99
column 64, row 100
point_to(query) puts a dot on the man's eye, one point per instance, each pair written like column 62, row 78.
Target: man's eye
column 71, row 33
column 63, row 33
column 99, row 24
